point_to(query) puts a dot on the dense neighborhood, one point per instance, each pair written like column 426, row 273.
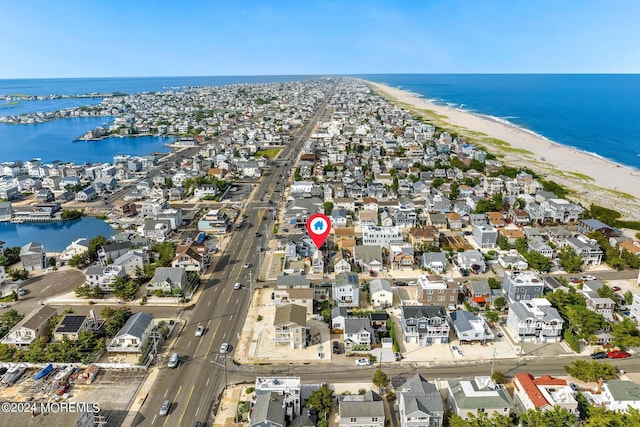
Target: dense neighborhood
column 436, row 247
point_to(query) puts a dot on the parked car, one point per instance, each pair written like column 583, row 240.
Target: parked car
column 199, row 331
column 363, row 362
column 398, row 356
column 336, row 347
column 164, row 409
column 401, row 283
column 588, row 277
column 599, row 355
column 247, row 265
column 574, row 387
column 616, row 288
column 617, row 354
column 224, row 348
column 237, row 285
column 174, row 360
column 258, row 234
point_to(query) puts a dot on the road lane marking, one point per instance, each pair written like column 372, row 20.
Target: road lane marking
column 189, row 345
column 154, row 418
column 175, row 399
column 209, row 303
column 166, row 392
column 197, row 410
column 212, row 339
column 207, row 384
column 200, row 341
column 186, row 405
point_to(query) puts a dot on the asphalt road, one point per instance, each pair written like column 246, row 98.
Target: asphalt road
column 193, row 388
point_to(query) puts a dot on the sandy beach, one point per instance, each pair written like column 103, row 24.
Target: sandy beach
column 590, row 178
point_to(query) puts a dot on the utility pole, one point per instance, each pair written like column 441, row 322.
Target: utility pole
column 250, row 289
column 493, row 360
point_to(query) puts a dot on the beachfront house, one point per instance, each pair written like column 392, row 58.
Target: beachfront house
column 33, row 256
column 30, row 328
column 131, row 337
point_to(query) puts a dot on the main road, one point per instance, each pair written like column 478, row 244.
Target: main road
column 194, row 386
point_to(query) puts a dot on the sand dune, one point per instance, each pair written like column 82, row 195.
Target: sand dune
column 592, row 179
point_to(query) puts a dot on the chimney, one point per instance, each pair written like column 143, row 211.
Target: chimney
column 92, row 315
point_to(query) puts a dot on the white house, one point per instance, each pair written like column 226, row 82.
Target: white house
column 346, row 290
column 381, row 293
column 131, row 337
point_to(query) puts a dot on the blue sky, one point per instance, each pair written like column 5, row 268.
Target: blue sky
column 112, row 38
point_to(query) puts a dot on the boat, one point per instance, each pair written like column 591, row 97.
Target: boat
column 64, row 374
column 13, row 374
column 44, row 372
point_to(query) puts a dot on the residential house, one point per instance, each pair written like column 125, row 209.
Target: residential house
column 192, row 257
column 454, row 220
column 214, row 222
column 537, row 244
column 424, row 324
column 543, row 393
column 512, row 260
column 298, row 296
column 365, row 410
column 133, row 334
column 518, row 286
column 519, row 217
column 346, row 290
column 420, row 403
column 602, row 306
column 474, row 395
column 107, row 253
column 586, row 248
column 156, row 229
column 169, row 280
column 422, row 238
column 340, row 263
column 30, row 328
column 616, row 395
column 560, row 210
column 535, row 320
column 381, row 236
column 288, row 387
column 472, row 260
column 479, row 292
column 437, row 290
column 470, row 327
column 317, row 262
column 437, row 220
column 485, row 236
column 358, row 334
column 342, row 233
column 89, row 194
column 401, row 257
column 338, row 317
column 586, row 226
column 635, row 308
column 33, row 256
column 268, row 410
column 369, row 258
column 381, row 293
column 77, row 247
column 290, row 326
column 71, row 325
column 436, row 262
column 104, row 277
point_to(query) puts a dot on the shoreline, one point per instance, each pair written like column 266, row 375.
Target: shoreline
column 590, row 177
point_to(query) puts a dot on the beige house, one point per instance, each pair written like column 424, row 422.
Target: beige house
column 302, row 297
column 290, row 325
column 30, row 328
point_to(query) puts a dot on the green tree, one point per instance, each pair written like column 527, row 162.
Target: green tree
column 95, row 244
column 522, row 246
column 7, row 352
column 606, row 292
column 583, row 321
column 538, row 261
column 503, row 243
column 321, row 400
column 8, row 320
column 17, row 274
column 499, row 378
column 491, row 316
column 480, row 420
column 380, row 379
column 115, row 319
column 556, row 417
column 500, row 303
column 570, row 260
column 494, row 283
column 328, row 208
column 625, row 333
column 590, row 371
column 10, row 256
column 628, row 297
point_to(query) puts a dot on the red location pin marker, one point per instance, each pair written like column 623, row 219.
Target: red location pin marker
column 318, row 227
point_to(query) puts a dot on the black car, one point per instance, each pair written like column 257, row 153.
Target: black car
column 336, row 347
column 600, row 355
column 401, row 283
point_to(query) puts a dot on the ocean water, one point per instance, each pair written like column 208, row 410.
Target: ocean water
column 596, row 113
column 55, row 236
column 15, row 108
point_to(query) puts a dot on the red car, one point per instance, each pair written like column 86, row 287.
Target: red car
column 616, row 288
column 617, row 354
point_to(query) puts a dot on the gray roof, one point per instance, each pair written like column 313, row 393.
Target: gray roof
column 379, row 285
column 338, row 311
column 421, row 396
column 290, row 314
column 429, row 257
column 353, row 325
column 367, row 253
column 136, row 325
column 289, row 280
column 347, row 279
column 461, row 320
column 427, row 311
column 368, row 405
column 269, row 407
column 524, row 309
column 499, row 399
column 480, row 287
column 94, row 270
column 623, row 390
column 170, row 274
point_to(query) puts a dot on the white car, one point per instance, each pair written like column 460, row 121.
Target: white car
column 247, row 265
column 588, row 277
column 363, row 362
column 224, row 348
column 237, row 286
column 200, row 331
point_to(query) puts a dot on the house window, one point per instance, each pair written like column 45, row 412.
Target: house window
column 374, row 419
column 353, row 420
column 441, row 298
